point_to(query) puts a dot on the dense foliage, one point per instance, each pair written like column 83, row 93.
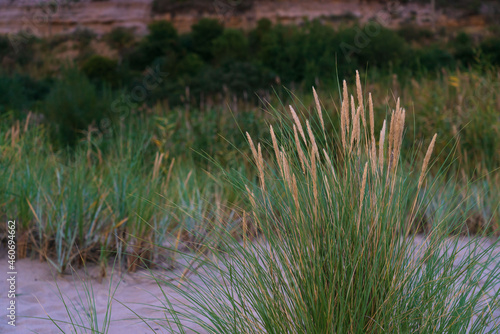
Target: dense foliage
column 212, row 65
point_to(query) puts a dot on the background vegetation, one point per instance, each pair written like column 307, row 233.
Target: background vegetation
column 87, row 145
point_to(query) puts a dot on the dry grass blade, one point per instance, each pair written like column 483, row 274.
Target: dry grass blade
column 344, row 117
column 356, row 131
column 426, row 160
column 360, row 99
column 381, row 147
column 362, row 194
column 302, row 157
column 275, row 147
column 353, row 110
column 252, row 147
column 260, row 166
column 311, row 137
column 373, row 155
column 330, row 164
column 299, row 125
column 286, row 168
column 318, row 108
column 157, row 165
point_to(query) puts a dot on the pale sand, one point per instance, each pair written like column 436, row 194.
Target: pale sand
column 37, row 292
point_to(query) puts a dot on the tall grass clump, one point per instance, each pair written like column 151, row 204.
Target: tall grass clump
column 93, row 203
column 327, row 246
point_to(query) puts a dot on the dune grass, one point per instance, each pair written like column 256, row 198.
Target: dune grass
column 104, row 199
column 315, row 230
column 334, row 252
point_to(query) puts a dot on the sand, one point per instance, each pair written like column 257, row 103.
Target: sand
column 38, row 295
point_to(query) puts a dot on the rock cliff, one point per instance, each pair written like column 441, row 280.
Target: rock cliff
column 44, row 18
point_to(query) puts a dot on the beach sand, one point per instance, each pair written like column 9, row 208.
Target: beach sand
column 38, row 296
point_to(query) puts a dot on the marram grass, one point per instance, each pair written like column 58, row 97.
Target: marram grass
column 331, row 249
column 92, row 206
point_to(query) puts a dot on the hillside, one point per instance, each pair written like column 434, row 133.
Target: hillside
column 101, row 16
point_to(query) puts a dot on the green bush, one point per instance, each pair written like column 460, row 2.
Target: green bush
column 411, row 33
column 231, row 45
column 23, row 92
column 162, row 41
column 203, row 35
column 320, row 50
column 4, row 47
column 433, row 58
column 84, row 37
column 491, row 49
column 256, row 35
column 72, row 105
column 282, row 50
column 463, row 49
column 18, row 48
column 384, row 49
column 211, row 57
column 238, row 77
column 119, row 38
column 99, row 68
column 190, row 65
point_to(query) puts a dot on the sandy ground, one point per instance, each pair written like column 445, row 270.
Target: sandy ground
column 38, row 295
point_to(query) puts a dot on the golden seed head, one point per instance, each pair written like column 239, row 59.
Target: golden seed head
column 311, row 137
column 426, row 160
column 381, row 146
column 318, row 108
column 360, row 98
column 297, row 122
column 275, row 146
column 345, row 105
column 302, row 157
column 252, row 147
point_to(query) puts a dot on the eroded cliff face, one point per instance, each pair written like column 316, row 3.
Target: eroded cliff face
column 50, row 17
column 43, row 18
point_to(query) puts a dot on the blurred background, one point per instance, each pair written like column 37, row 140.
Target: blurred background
column 104, row 103
column 112, row 58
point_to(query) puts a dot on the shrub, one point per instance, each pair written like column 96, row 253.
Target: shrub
column 119, row 38
column 432, row 58
column 231, row 45
column 203, row 35
column 72, row 105
column 238, row 77
column 99, row 68
column 412, row 33
column 161, row 42
column 385, row 49
column 189, row 65
column 491, row 49
column 463, row 49
column 18, row 48
column 320, row 48
column 283, row 51
column 162, row 32
column 4, row 47
column 256, row 35
column 83, row 36
column 23, row 90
